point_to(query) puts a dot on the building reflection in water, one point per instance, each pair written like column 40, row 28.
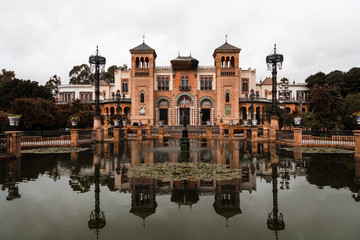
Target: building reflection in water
column 256, row 160
column 97, row 217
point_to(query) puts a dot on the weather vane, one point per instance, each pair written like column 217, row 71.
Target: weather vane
column 226, row 38
column 143, row 38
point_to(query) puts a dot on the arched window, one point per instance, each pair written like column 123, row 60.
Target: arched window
column 142, row 62
column 125, row 86
column 146, row 62
column 202, row 83
column 186, row 81
column 223, row 62
column 227, row 96
column 159, row 83
column 227, row 62
column 142, row 96
column 206, row 83
column 245, row 86
column 137, row 63
column 163, row 83
column 182, row 82
column 167, row 83
column 210, row 83
column 232, row 62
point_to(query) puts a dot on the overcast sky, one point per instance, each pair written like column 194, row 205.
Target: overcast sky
column 40, row 38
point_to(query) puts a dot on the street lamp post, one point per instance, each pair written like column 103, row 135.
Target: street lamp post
column 118, row 101
column 98, row 62
column 252, row 96
column 274, row 61
column 284, row 94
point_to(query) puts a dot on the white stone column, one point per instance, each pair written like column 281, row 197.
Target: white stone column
column 157, row 116
column 192, row 116
column 199, row 116
column 169, row 120
column 212, row 116
column 176, row 115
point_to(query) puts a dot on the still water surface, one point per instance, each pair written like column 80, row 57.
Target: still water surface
column 283, row 194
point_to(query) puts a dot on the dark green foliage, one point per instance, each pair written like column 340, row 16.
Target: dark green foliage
column 81, row 74
column 350, row 105
column 346, row 82
column 109, row 75
column 325, row 104
column 10, row 89
column 4, row 121
column 36, row 113
column 318, row 78
column 53, row 84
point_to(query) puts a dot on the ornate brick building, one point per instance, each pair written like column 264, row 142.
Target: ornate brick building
column 204, row 94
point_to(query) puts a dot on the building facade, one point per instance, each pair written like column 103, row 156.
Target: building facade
column 204, row 95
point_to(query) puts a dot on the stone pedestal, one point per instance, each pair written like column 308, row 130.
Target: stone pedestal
column 116, row 134
column 221, row 127
column 106, row 130
column 139, row 133
column 99, row 135
column 97, row 123
column 74, row 136
column 161, row 133
column 254, row 134
column 297, row 137
column 231, row 132
column 265, row 130
column 148, row 130
column 208, row 133
column 125, row 132
column 274, row 125
column 14, row 142
column 357, row 142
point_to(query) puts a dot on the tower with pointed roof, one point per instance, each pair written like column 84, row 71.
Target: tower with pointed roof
column 226, row 61
column 142, row 84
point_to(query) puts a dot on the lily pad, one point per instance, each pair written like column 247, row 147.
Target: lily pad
column 184, row 171
column 318, row 150
column 54, row 150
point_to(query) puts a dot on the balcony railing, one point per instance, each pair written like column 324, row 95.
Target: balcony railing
column 184, row 88
column 227, row 72
column 141, row 72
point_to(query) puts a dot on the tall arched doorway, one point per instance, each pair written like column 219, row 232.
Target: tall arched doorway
column 184, row 107
column 205, row 111
column 164, row 111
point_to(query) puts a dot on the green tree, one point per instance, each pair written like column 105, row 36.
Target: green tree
column 36, row 113
column 6, row 75
column 350, row 105
column 352, row 80
column 53, row 84
column 325, row 103
column 316, row 79
column 4, row 121
column 81, row 74
column 10, row 89
column 108, row 76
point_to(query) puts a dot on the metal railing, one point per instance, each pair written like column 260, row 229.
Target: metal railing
column 87, row 135
column 4, row 145
column 344, row 137
column 285, row 135
column 34, row 138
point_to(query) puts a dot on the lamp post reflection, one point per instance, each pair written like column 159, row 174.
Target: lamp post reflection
column 275, row 221
column 97, row 218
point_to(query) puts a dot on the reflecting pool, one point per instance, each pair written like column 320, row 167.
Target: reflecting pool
column 280, row 193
